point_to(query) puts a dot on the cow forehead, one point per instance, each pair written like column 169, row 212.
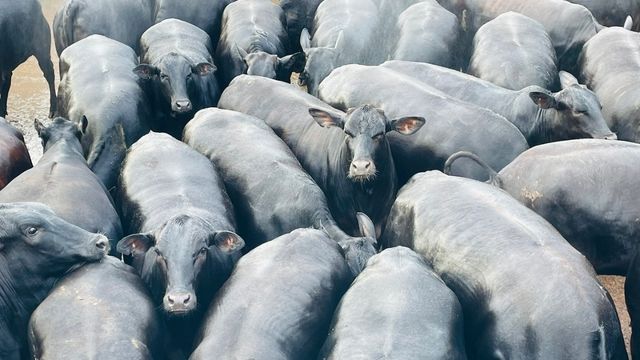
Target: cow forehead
column 578, row 97
column 365, row 120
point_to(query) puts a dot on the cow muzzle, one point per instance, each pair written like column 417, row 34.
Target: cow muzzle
column 362, row 170
column 179, row 302
column 181, row 106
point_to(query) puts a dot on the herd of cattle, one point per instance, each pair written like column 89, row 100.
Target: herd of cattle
column 262, row 221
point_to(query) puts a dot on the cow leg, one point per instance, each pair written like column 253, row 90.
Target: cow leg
column 47, row 69
column 5, row 84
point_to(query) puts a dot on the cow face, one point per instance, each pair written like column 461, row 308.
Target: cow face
column 32, row 234
column 59, row 129
column 577, row 112
column 174, row 76
column 364, row 130
column 176, row 262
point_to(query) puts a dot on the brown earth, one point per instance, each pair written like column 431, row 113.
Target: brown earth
column 28, row 99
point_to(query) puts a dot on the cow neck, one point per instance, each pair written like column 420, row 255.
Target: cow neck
column 532, row 121
column 20, row 298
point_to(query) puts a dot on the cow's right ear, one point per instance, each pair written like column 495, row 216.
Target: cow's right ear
column 326, row 119
column 84, row 123
column 146, row 71
column 135, row 245
column 305, row 40
column 37, row 124
column 543, row 99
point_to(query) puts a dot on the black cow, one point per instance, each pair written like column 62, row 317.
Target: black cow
column 24, row 32
column 121, row 20
column 452, row 124
column 612, row 12
column 254, row 41
column 183, row 244
column 343, row 33
column 525, row 292
column 610, row 66
column 101, row 310
column 278, row 302
column 428, row 33
column 205, row 14
column 576, row 185
column 62, row 181
column 177, row 63
column 14, row 156
column 298, row 15
column 399, row 304
column 116, row 113
column 569, row 25
column 542, row 116
column 259, row 171
column 514, row 51
column 346, row 154
column 36, row 249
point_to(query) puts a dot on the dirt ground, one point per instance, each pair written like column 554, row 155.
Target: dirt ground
column 28, row 100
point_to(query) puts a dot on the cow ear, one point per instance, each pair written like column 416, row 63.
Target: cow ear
column 146, row 71
column 204, row 68
column 135, row 245
column 293, row 63
column 406, row 125
column 366, row 226
column 326, row 119
column 544, row 100
column 305, row 40
column 567, row 80
column 84, row 124
column 37, row 124
column 243, row 54
column 226, row 241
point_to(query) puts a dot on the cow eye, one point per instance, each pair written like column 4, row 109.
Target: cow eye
column 163, row 77
column 203, row 251
column 349, row 134
column 378, row 136
column 31, row 230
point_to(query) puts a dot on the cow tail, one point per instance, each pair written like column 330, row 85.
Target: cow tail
column 494, row 178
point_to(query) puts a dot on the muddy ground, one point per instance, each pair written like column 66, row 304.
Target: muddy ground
column 28, row 99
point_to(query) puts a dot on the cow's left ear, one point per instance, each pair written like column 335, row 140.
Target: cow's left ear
column 203, row 69
column 226, row 241
column 293, row 63
column 146, row 71
column 406, row 125
column 326, row 119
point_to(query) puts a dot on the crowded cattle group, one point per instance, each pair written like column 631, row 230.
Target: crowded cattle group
column 309, row 179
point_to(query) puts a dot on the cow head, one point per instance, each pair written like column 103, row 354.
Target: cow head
column 263, row 64
column 364, row 132
column 174, row 76
column 575, row 111
column 60, row 129
column 358, row 250
column 44, row 243
column 180, row 262
column 320, row 61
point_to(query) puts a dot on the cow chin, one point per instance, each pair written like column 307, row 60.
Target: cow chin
column 361, row 176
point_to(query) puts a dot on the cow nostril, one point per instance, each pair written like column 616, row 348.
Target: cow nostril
column 186, row 299
column 102, row 244
column 367, row 165
column 170, row 300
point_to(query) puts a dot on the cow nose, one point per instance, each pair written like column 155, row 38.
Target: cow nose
column 183, row 105
column 179, row 302
column 103, row 244
column 611, row 137
column 361, row 165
